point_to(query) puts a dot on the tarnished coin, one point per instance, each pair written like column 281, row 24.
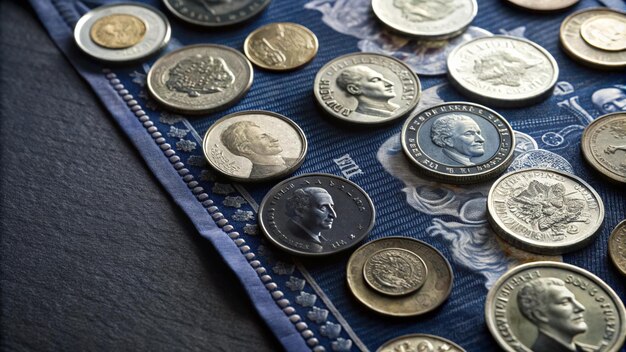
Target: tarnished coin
column 434, row 291
column 419, row 343
column 395, row 271
column 426, row 19
column 215, row 13
column 544, row 211
column 550, row 306
column 503, row 71
column 316, row 214
column 367, row 88
column 281, row 46
column 122, row 32
column 544, row 5
column 459, row 142
column 199, row 79
column 603, row 144
column 617, row 247
column 254, row 146
column 596, row 37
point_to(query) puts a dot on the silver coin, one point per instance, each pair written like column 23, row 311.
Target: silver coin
column 419, row 343
column 156, row 33
column 316, row 214
column 459, row 142
column 199, row 79
column 503, row 71
column 544, row 211
column 426, row 19
column 215, row 13
column 367, row 88
column 550, row 306
column 254, row 146
column 395, row 271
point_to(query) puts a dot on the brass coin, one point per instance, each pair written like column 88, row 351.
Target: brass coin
column 395, row 271
column 419, row 342
column 606, row 32
column 603, row 145
column 617, row 247
column 118, row 31
column 544, row 5
column 281, row 46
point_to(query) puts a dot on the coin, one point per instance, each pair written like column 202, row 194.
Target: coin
column 617, row 247
column 395, row 271
column 254, row 145
column 434, row 291
column 316, row 214
column 603, row 144
column 544, row 211
column 367, row 88
column 503, row 71
column 544, row 5
column 122, row 32
column 459, row 142
column 199, row 79
column 426, row 19
column 596, row 37
column 550, row 306
column 281, row 46
column 419, row 343
column 215, row 13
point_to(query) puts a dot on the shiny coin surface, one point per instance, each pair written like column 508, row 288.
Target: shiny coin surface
column 254, row 146
column 316, row 214
column 550, row 306
column 459, row 142
column 617, row 247
column 199, row 79
column 503, row 71
column 122, row 32
column 419, row 343
column 215, row 13
column 434, row 291
column 395, row 271
column 544, row 211
column 426, row 19
column 596, row 37
column 281, row 46
column 544, row 5
column 604, row 145
column 367, row 88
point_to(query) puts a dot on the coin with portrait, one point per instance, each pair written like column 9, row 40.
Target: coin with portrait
column 603, row 145
column 215, row 13
column 617, row 247
column 118, row 31
column 420, row 343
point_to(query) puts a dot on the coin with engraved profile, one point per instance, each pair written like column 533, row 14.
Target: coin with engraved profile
column 395, row 271
column 199, row 79
column 437, row 278
column 544, row 211
column 118, row 31
column 215, row 13
column 544, row 5
column 419, row 343
column 549, row 306
column 503, row 71
column 366, row 88
column 617, row 247
column 253, row 146
column 603, row 145
column 281, row 46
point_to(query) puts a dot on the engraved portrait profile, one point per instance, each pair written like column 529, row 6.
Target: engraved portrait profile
column 609, row 100
column 371, row 89
column 310, row 210
column 198, row 74
column 504, row 67
column 459, row 137
column 426, row 10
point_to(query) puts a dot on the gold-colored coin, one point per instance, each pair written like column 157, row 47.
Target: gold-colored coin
column 118, row 31
column 603, row 145
column 617, row 247
column 606, row 32
column 281, row 46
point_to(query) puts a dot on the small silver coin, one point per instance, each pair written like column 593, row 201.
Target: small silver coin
column 316, row 214
column 603, row 145
column 367, row 88
column 395, row 271
column 503, row 71
column 459, row 142
column 544, row 211
column 251, row 146
column 426, row 19
column 550, row 306
column 419, row 343
column 215, row 13
column 199, row 79
column 119, row 42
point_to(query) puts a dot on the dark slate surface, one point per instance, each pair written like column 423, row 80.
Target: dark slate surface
column 94, row 255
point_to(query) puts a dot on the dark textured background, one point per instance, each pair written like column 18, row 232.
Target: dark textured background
column 94, row 255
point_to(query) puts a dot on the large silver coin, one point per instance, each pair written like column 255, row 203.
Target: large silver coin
column 604, row 145
column 550, row 307
column 426, row 19
column 459, row 142
column 544, row 211
column 367, row 88
column 215, row 13
column 617, row 247
column 122, row 32
column 419, row 343
column 252, row 146
column 199, row 79
column 433, row 292
column 316, row 214
column 503, row 71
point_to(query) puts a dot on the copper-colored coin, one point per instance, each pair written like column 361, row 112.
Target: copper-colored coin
column 603, row 144
column 281, row 46
column 544, row 5
column 118, row 31
column 617, row 247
